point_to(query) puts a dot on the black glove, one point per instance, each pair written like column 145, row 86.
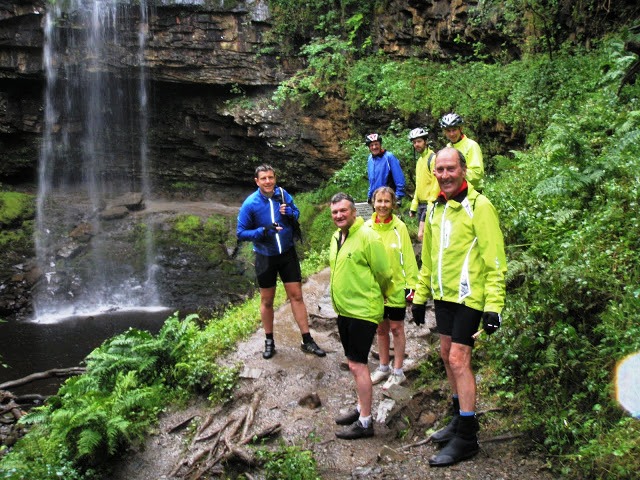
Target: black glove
column 418, row 311
column 490, row 322
column 408, row 294
column 271, row 229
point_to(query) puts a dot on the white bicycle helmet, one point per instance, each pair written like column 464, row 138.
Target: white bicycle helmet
column 451, row 120
column 372, row 137
column 418, row 133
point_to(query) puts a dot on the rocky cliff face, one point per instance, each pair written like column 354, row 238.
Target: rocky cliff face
column 209, row 124
column 210, row 81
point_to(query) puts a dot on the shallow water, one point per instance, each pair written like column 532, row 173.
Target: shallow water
column 30, row 347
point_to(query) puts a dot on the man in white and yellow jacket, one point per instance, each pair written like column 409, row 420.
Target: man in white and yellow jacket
column 463, row 270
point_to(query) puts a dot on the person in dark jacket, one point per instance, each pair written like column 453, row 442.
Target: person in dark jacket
column 268, row 218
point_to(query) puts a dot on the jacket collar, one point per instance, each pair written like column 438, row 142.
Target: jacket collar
column 458, row 197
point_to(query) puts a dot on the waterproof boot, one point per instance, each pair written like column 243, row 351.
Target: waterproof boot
column 462, row 446
column 445, row 434
column 269, row 349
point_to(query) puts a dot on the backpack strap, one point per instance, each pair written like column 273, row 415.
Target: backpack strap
column 429, row 161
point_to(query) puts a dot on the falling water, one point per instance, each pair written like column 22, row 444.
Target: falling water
column 94, row 158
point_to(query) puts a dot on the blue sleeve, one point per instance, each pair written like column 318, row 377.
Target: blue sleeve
column 245, row 230
column 398, row 176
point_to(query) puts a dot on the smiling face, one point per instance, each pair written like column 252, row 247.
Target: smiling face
column 375, row 147
column 453, row 134
column 266, row 182
column 383, row 204
column 449, row 171
column 343, row 214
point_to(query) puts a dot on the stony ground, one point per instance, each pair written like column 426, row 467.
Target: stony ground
column 302, row 394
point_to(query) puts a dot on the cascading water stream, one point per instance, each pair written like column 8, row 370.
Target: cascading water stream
column 93, row 164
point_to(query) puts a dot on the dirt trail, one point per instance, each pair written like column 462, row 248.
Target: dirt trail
column 291, row 375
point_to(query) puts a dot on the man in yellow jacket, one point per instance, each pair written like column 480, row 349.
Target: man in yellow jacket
column 452, row 123
column 427, row 188
column 463, row 270
column 361, row 279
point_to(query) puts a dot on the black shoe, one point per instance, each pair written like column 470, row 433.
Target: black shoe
column 355, row 431
column 445, row 434
column 348, row 418
column 269, row 349
column 456, row 450
column 312, row 347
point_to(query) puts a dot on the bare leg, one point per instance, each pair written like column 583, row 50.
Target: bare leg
column 383, row 342
column 420, row 231
column 445, row 347
column 399, row 343
column 266, row 308
column 298, row 308
column 364, row 387
column 460, row 363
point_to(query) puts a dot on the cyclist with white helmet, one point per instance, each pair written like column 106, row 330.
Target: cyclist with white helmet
column 427, row 188
column 451, row 123
column 383, row 168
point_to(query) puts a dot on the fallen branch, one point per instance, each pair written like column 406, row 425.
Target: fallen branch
column 55, row 372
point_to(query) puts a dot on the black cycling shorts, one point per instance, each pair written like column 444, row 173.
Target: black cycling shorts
column 457, row 321
column 357, row 337
column 395, row 313
column 286, row 265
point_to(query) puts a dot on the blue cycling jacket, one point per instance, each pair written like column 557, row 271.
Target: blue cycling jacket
column 378, row 170
column 257, row 212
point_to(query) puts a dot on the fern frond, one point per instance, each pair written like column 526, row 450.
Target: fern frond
column 88, row 442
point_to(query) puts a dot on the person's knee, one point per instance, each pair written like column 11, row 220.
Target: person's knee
column 383, row 329
column 459, row 360
column 397, row 329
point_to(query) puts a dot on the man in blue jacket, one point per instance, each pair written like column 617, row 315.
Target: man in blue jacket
column 268, row 218
column 383, row 168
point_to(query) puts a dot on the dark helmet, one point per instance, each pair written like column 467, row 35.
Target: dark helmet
column 372, row 137
column 451, row 120
column 418, row 133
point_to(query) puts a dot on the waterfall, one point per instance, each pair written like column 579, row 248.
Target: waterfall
column 95, row 253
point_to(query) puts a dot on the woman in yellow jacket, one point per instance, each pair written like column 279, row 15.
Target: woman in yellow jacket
column 395, row 237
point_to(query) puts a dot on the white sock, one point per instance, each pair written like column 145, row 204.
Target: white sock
column 365, row 421
column 383, row 368
column 397, row 371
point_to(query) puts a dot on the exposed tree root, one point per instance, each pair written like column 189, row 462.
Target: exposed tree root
column 223, row 444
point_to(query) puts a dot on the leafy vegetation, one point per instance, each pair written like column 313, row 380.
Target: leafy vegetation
column 568, row 200
column 288, row 462
column 17, row 211
column 568, row 204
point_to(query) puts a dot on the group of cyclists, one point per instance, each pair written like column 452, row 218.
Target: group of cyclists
column 462, row 271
